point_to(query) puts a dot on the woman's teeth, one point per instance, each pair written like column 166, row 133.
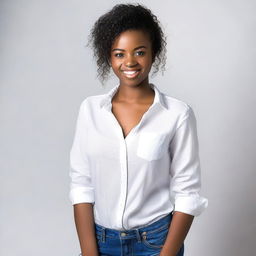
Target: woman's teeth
column 131, row 73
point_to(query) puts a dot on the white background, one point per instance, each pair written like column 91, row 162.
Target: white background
column 45, row 73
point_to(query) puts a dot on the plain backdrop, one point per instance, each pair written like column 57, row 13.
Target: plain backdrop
column 45, row 73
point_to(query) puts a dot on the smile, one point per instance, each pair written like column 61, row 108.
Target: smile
column 131, row 74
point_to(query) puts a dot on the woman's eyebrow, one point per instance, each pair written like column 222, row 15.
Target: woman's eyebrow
column 142, row 46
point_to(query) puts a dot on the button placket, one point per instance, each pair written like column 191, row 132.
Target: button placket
column 123, row 162
column 123, row 155
column 123, row 166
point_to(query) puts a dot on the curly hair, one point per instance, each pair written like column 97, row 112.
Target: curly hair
column 120, row 18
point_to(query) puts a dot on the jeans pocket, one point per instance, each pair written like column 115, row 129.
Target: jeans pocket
column 157, row 239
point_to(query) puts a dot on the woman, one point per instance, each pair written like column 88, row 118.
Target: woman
column 135, row 169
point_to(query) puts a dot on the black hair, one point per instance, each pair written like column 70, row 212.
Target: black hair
column 120, row 18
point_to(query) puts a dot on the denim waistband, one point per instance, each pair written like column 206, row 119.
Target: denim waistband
column 132, row 233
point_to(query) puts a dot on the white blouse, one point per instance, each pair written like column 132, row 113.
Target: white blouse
column 134, row 181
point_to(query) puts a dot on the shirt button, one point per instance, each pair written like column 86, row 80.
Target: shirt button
column 144, row 233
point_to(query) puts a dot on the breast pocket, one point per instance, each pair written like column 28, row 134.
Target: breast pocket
column 151, row 145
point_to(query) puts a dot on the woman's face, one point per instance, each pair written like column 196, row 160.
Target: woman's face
column 131, row 57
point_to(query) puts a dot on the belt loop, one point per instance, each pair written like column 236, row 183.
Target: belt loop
column 103, row 235
column 138, row 235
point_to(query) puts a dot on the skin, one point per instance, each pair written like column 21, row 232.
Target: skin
column 131, row 50
column 84, row 220
column 130, row 102
column 178, row 230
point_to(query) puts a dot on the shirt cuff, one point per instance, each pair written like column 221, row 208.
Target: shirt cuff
column 81, row 195
column 191, row 204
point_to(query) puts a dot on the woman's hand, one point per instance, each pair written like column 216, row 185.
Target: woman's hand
column 178, row 230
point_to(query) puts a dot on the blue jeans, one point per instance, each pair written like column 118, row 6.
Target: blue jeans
column 145, row 241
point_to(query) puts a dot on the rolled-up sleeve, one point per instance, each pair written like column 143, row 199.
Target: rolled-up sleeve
column 81, row 188
column 185, row 170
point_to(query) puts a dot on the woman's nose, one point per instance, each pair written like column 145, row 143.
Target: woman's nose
column 130, row 61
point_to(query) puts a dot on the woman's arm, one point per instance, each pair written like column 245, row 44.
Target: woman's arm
column 180, row 225
column 84, row 220
column 185, row 184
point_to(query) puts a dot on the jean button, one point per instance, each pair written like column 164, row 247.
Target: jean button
column 123, row 234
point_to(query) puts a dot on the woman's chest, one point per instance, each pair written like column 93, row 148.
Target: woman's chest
column 142, row 136
column 128, row 115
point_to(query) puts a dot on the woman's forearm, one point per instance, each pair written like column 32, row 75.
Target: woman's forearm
column 84, row 221
column 177, row 233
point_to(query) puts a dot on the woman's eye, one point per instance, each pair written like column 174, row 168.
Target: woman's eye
column 118, row 55
column 140, row 53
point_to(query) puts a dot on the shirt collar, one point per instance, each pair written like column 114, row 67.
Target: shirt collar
column 158, row 99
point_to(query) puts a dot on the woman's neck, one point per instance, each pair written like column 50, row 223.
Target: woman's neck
column 130, row 94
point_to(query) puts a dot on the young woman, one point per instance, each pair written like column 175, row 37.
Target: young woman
column 134, row 162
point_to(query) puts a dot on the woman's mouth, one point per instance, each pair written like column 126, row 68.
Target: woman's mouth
column 131, row 74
